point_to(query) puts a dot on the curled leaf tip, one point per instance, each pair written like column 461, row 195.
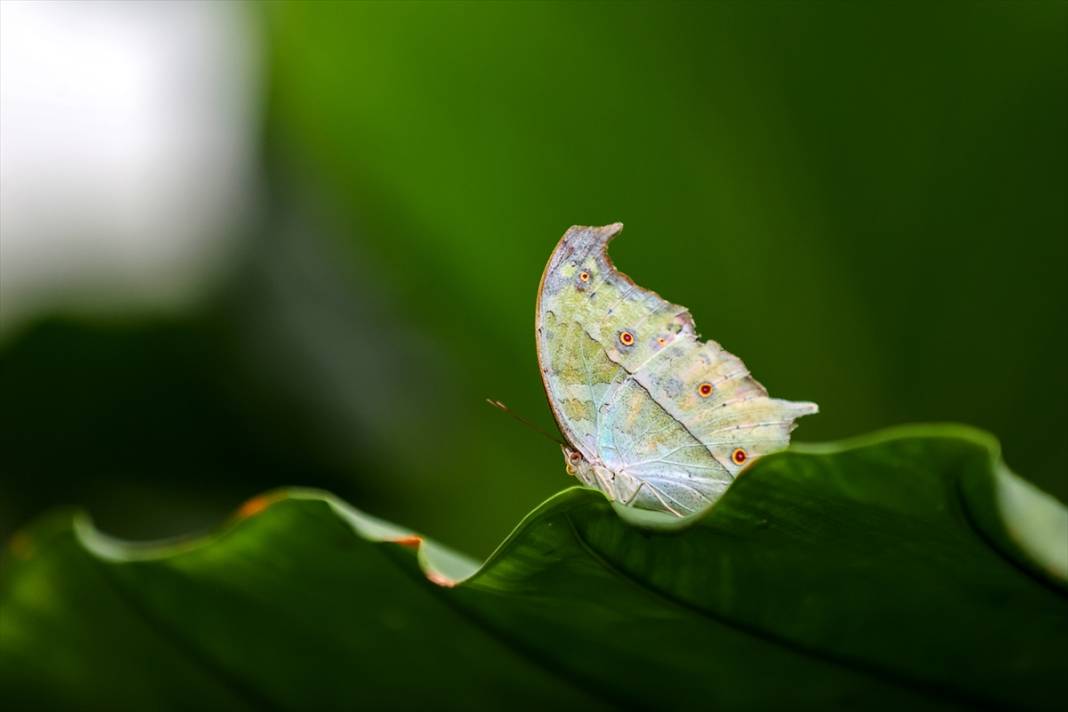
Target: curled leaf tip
column 412, row 541
column 438, row 578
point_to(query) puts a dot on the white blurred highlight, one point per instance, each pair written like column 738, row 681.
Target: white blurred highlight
column 127, row 145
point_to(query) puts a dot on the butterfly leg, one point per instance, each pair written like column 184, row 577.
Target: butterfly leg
column 626, row 487
column 663, row 501
column 604, row 479
column 634, row 495
column 629, row 499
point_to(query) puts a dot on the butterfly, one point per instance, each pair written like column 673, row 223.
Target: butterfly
column 653, row 416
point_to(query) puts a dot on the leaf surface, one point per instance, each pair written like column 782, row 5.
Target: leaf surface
column 910, row 568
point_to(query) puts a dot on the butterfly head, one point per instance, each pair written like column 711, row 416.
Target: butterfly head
column 572, row 459
column 592, row 474
column 578, row 466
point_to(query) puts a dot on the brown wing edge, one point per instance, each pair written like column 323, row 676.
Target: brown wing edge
column 602, row 236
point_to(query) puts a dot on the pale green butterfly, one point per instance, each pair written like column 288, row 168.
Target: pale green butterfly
column 654, row 417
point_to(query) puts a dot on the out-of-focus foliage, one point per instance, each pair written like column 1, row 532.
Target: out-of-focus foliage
column 865, row 202
column 887, row 574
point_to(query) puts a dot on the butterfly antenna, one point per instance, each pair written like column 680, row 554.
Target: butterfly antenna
column 501, row 406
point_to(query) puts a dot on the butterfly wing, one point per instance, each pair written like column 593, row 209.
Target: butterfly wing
column 576, row 372
column 633, row 387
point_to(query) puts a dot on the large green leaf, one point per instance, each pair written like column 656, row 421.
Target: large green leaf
column 908, row 569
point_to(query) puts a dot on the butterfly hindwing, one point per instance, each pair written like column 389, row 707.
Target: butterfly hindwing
column 645, row 441
column 710, row 391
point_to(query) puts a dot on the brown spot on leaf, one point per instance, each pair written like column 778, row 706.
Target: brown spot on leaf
column 254, row 506
column 21, row 546
column 440, row 579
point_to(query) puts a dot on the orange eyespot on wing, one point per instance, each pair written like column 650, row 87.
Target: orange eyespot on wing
column 738, row 457
column 660, row 341
column 705, row 390
column 626, row 338
column 584, row 276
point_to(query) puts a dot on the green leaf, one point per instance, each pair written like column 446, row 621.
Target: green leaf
column 908, row 569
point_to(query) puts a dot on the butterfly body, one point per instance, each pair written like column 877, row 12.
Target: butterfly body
column 655, row 417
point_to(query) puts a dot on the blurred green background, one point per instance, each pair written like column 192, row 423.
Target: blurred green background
column 866, row 202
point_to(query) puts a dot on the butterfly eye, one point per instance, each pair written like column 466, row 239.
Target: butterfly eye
column 574, row 457
column 626, row 338
column 738, row 457
column 705, row 390
column 584, row 276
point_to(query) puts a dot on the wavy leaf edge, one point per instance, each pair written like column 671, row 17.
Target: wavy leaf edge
column 1019, row 520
